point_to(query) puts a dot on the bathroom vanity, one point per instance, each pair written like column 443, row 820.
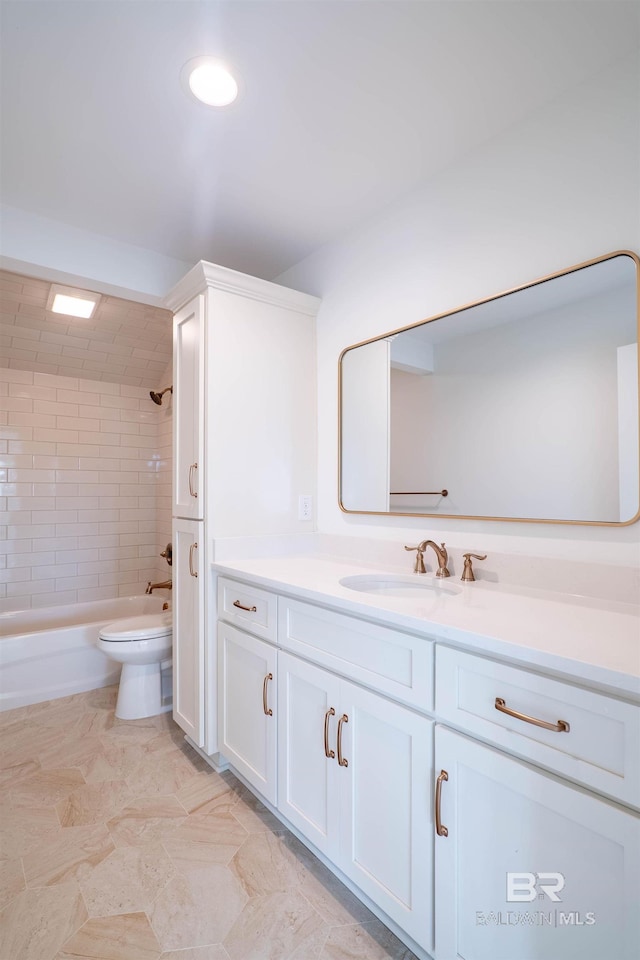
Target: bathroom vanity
column 466, row 758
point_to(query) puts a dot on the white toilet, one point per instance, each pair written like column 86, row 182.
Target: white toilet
column 140, row 644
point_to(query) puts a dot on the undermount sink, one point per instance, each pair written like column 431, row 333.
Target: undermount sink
column 400, row 585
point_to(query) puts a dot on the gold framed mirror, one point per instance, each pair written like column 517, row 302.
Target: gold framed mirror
column 520, row 407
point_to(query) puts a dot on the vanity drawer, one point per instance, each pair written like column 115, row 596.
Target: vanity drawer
column 248, row 607
column 592, row 738
column 386, row 660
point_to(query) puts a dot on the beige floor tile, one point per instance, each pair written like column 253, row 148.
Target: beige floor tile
column 326, row 894
column 264, row 865
column 204, row 791
column 23, row 828
column 280, row 926
column 113, row 760
column 254, row 816
column 11, row 881
column 214, row 952
column 48, row 787
column 146, row 820
column 94, row 803
column 126, row 937
column 38, row 922
column 71, row 855
column 9, row 717
column 17, row 771
column 71, row 751
column 367, row 941
column 205, row 838
column 128, row 881
column 24, row 741
column 197, row 908
column 160, row 775
column 136, row 731
column 103, row 699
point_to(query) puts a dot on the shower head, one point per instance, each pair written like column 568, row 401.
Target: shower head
column 157, row 397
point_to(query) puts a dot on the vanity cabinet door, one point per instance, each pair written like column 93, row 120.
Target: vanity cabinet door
column 188, row 410
column 531, row 868
column 355, row 773
column 308, row 781
column 247, row 720
column 188, row 628
column 386, row 820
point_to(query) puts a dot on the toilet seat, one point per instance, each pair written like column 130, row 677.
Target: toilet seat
column 147, row 627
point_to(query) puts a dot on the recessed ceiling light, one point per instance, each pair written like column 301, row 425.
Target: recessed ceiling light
column 72, row 302
column 210, row 81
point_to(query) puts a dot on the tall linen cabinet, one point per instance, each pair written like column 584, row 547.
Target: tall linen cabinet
column 244, row 449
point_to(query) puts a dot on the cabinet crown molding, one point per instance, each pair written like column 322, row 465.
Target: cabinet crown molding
column 210, row 275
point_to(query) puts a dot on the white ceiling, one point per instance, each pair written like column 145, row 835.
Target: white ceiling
column 346, row 105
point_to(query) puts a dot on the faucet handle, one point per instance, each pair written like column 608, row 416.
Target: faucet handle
column 419, row 564
column 467, row 573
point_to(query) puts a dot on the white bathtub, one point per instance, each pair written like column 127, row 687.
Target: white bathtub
column 50, row 653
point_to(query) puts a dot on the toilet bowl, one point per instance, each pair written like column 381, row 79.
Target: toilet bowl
column 140, row 644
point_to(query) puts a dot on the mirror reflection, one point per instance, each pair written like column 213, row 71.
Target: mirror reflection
column 524, row 406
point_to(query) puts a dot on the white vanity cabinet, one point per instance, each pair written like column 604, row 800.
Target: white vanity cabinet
column 531, row 867
column 354, row 777
column 489, row 810
column 247, row 722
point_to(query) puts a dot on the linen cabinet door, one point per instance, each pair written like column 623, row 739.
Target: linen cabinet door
column 386, row 844
column 188, row 410
column 247, row 686
column 188, row 628
column 531, row 868
column 307, row 765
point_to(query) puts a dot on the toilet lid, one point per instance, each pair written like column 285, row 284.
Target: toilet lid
column 138, row 628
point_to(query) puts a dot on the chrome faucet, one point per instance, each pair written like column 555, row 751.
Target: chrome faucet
column 165, row 585
column 440, row 552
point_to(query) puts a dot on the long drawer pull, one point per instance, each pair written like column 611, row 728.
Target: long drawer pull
column 268, row 712
column 441, row 830
column 343, row 762
column 237, row 603
column 194, row 573
column 192, row 490
column 329, row 754
column 560, row 727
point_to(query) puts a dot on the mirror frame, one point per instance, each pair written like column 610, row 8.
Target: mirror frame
column 449, row 313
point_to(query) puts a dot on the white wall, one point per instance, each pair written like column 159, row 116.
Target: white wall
column 49, row 250
column 554, row 191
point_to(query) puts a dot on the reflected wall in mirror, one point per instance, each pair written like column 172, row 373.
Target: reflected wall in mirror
column 520, row 407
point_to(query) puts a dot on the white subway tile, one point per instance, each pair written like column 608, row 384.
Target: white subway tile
column 55, row 570
column 26, row 588
column 11, row 375
column 75, row 583
column 54, row 599
column 78, row 423
column 31, row 419
column 31, row 391
column 53, row 406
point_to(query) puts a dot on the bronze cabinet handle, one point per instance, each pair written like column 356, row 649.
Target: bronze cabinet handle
column 194, row 573
column 329, row 754
column 268, row 712
column 560, row 727
column 441, row 830
column 192, row 491
column 237, row 603
column 342, row 761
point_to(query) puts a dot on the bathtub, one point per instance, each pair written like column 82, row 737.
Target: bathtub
column 50, row 653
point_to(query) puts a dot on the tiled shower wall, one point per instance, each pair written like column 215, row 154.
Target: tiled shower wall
column 85, row 489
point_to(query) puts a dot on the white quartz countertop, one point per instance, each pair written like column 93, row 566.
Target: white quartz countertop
column 576, row 637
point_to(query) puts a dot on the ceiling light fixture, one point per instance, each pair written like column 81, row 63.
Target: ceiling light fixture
column 72, row 302
column 209, row 81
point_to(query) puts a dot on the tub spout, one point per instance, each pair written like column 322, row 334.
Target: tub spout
column 165, row 585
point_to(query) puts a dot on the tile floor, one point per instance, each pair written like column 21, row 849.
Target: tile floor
column 117, row 842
